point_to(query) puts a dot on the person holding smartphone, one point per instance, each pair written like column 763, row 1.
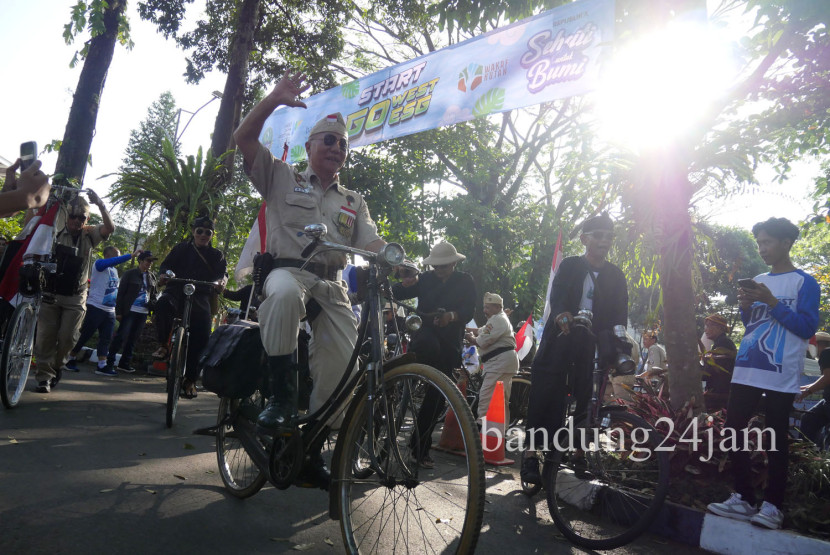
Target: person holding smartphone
column 30, row 190
column 780, row 312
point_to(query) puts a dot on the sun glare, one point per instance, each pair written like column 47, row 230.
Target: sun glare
column 657, row 87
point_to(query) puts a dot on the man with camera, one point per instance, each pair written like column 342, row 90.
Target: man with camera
column 293, row 200
column 449, row 297
column 59, row 320
column 566, row 353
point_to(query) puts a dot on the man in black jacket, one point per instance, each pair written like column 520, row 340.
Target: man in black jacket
column 449, row 296
column 195, row 259
column 566, row 354
column 134, row 302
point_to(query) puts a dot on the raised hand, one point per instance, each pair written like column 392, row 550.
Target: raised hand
column 289, row 88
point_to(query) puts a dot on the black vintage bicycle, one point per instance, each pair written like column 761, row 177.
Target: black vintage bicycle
column 606, row 485
column 385, row 501
column 179, row 342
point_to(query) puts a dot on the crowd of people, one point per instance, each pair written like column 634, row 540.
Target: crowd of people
column 779, row 310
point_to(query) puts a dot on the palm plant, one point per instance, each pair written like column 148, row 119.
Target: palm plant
column 183, row 188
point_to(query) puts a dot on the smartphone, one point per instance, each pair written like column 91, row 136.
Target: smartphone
column 28, row 154
column 747, row 283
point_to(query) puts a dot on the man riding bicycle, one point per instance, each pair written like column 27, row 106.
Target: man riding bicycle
column 293, row 200
column 566, row 354
column 194, row 259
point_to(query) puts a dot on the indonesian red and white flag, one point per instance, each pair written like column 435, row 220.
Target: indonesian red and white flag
column 35, row 239
column 554, row 266
column 524, row 338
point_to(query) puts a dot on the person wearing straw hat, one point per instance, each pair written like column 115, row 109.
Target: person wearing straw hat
column 293, row 200
column 500, row 362
column 448, row 296
column 718, row 362
column 819, row 415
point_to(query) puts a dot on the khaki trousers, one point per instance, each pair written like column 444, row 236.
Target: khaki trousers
column 334, row 330
column 58, row 328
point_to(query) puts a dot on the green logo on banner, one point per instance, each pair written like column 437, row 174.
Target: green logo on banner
column 491, row 101
column 350, row 90
column 297, row 154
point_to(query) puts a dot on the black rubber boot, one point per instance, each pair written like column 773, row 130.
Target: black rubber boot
column 282, row 381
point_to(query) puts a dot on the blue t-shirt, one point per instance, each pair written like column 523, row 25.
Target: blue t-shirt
column 771, row 355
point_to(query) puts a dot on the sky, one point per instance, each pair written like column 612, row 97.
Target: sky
column 37, row 95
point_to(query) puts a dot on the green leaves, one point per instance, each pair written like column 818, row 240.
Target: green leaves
column 183, row 187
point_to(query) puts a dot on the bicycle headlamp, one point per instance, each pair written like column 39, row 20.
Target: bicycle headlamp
column 413, row 322
column 392, row 253
column 189, row 289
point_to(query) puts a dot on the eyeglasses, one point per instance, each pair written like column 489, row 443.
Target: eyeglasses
column 330, row 139
column 602, row 235
column 203, row 231
column 442, row 266
column 77, row 217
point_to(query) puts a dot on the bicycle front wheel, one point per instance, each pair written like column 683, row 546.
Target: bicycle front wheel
column 16, row 357
column 606, row 486
column 175, row 374
column 241, row 476
column 402, row 506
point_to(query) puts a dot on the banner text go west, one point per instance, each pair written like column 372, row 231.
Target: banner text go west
column 550, row 56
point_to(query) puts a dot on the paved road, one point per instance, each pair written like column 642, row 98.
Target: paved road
column 91, row 468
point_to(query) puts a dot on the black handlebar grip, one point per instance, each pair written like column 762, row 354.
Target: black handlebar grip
column 309, row 249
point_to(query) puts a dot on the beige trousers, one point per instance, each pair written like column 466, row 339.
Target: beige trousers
column 334, row 330
column 58, row 328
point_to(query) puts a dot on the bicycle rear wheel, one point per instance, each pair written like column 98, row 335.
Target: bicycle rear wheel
column 400, row 506
column 519, row 398
column 241, row 476
column 175, row 374
column 16, row 356
column 607, row 486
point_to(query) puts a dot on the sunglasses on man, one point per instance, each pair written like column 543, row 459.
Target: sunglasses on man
column 77, row 217
column 601, row 235
column 203, row 231
column 329, row 139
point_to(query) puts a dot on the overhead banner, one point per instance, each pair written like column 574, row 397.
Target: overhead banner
column 553, row 55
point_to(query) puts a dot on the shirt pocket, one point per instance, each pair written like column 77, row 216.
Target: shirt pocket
column 299, row 210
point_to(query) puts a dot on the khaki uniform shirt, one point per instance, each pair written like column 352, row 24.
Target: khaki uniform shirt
column 296, row 199
column 495, row 334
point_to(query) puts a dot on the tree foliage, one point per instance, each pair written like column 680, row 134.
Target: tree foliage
column 184, row 188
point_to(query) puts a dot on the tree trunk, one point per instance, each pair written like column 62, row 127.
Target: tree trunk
column 80, row 128
column 230, row 110
column 674, row 240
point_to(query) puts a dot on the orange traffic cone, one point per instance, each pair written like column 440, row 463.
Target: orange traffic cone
column 492, row 436
column 451, row 440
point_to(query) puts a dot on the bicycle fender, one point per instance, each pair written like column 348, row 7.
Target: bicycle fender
column 400, row 360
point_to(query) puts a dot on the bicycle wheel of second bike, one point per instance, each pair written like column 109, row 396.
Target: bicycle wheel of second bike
column 241, row 476
column 175, row 375
column 406, row 508
column 605, row 490
column 16, row 356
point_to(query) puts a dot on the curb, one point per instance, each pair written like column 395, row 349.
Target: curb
column 728, row 536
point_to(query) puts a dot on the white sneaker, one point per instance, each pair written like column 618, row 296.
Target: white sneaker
column 769, row 516
column 734, row 507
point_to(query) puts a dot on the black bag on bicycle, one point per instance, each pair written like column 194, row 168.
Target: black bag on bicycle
column 232, row 360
